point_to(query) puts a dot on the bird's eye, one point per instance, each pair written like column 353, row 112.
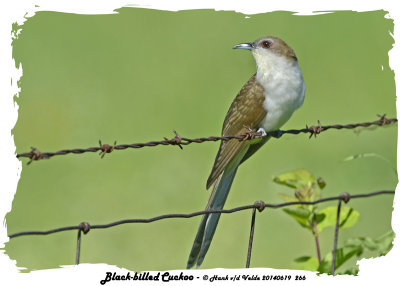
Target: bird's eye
column 266, row 44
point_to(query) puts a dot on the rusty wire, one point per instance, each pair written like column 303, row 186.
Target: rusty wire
column 335, row 238
column 252, row 225
column 259, row 205
column 35, row 154
column 343, row 197
column 78, row 247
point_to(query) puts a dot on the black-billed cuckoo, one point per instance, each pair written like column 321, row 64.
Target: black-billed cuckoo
column 264, row 104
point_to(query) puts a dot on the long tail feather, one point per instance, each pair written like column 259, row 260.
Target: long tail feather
column 209, row 222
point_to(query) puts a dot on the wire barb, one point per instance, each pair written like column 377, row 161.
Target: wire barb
column 34, row 155
column 105, row 148
column 382, row 119
column 314, row 130
column 177, row 140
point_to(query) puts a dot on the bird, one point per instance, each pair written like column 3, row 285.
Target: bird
column 264, row 103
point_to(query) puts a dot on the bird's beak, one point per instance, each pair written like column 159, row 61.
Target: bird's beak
column 245, row 46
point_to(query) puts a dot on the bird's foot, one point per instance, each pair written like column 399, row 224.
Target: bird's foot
column 251, row 135
column 262, row 132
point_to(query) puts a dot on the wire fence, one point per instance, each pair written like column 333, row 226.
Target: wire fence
column 85, row 227
column 35, row 154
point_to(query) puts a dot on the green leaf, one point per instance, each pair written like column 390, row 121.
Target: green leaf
column 365, row 242
column 306, row 186
column 296, row 179
column 385, row 242
column 307, row 263
column 366, row 155
column 342, row 255
column 320, row 217
column 321, row 183
column 301, row 215
column 351, row 271
column 382, row 244
column 287, row 198
column 348, row 217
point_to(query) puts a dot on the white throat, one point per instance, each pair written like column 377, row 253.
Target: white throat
column 283, row 85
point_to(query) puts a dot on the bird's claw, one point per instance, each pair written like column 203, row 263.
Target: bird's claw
column 262, row 132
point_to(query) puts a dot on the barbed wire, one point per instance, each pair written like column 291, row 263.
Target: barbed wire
column 35, row 154
column 85, row 227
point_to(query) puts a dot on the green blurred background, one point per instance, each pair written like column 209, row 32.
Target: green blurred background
column 134, row 76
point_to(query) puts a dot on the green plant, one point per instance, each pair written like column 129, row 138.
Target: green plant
column 307, row 188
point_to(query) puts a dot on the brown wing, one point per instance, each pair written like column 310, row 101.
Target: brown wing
column 247, row 109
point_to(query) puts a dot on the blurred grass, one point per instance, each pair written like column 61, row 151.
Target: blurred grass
column 136, row 75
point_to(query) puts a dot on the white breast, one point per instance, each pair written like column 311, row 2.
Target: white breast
column 284, row 89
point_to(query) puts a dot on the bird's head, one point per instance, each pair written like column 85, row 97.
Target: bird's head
column 268, row 49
